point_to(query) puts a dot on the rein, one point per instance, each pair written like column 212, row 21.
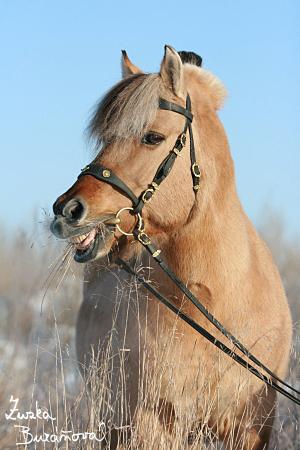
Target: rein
column 106, row 175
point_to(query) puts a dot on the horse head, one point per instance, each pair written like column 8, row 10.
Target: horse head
column 135, row 131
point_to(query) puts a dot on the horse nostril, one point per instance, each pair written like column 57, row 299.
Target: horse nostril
column 73, row 210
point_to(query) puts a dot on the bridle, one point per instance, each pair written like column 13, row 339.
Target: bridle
column 106, row 175
column 138, row 203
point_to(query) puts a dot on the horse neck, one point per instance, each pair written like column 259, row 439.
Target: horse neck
column 214, row 244
column 216, row 239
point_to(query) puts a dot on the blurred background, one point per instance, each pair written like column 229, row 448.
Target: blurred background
column 57, row 60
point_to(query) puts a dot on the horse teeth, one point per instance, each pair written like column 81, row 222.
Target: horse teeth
column 78, row 239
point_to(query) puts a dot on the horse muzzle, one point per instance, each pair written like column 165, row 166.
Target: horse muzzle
column 90, row 242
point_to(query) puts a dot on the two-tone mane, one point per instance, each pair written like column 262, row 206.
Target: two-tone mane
column 127, row 110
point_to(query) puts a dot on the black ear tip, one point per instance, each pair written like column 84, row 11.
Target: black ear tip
column 190, row 58
column 124, row 53
column 170, row 48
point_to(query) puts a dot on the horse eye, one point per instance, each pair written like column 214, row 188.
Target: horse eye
column 152, row 138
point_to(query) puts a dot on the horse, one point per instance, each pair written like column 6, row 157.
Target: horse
column 204, row 236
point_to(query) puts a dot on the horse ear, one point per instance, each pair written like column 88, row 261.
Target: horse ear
column 128, row 68
column 171, row 71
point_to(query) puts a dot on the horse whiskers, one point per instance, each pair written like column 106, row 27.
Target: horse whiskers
column 109, row 220
column 101, row 232
column 58, row 265
column 58, row 260
column 67, row 266
column 99, row 228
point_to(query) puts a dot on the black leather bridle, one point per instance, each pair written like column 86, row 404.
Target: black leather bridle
column 106, row 175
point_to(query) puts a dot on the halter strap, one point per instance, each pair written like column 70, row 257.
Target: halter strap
column 106, row 175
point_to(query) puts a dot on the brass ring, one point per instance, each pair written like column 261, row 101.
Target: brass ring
column 140, row 220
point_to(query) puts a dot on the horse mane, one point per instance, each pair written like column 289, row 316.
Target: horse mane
column 130, row 106
column 190, row 58
column 127, row 109
column 213, row 86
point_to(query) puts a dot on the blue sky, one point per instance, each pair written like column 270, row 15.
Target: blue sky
column 59, row 57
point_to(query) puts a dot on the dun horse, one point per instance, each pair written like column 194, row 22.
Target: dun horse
column 204, row 236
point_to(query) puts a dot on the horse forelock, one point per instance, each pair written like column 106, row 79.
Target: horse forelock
column 127, row 109
column 130, row 106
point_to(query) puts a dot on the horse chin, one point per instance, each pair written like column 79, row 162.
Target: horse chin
column 98, row 245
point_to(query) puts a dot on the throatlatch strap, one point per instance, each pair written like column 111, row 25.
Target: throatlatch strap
column 106, row 175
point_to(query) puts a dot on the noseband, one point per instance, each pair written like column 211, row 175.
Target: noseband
column 104, row 174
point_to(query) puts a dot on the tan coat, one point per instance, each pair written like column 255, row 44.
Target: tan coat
column 211, row 245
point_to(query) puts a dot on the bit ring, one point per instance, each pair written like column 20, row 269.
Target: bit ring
column 139, row 217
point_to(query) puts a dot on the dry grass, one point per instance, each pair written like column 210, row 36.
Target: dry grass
column 38, row 359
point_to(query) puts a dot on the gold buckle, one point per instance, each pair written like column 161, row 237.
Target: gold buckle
column 152, row 189
column 146, row 200
column 195, row 167
column 182, row 139
column 176, row 151
column 155, row 185
column 140, row 238
column 140, row 220
column 196, row 187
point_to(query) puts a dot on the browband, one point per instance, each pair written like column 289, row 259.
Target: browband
column 164, row 104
